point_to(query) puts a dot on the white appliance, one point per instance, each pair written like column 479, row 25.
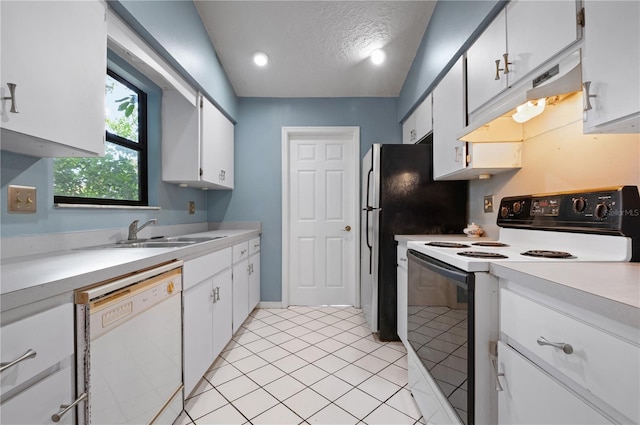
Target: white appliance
column 453, row 310
column 129, row 345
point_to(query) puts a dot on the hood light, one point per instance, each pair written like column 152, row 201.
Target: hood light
column 260, row 58
column 529, row 110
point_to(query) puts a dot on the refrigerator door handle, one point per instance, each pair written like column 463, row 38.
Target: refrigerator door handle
column 366, row 229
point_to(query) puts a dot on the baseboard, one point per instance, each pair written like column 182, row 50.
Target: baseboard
column 270, row 304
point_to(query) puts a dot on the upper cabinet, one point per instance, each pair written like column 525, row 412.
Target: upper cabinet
column 419, row 123
column 197, row 143
column 521, row 38
column 611, row 67
column 454, row 159
column 53, row 74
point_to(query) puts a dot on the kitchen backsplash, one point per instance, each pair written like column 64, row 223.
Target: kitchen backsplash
column 557, row 156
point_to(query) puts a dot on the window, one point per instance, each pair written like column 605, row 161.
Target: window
column 120, row 177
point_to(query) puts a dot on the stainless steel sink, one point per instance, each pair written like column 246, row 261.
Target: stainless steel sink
column 164, row 242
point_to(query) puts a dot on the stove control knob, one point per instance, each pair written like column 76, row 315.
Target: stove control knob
column 517, row 207
column 601, row 210
column 579, row 204
column 504, row 212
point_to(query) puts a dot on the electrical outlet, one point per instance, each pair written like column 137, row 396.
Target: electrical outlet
column 488, row 204
column 21, row 199
column 192, row 207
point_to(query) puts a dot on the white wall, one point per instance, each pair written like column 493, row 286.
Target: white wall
column 556, row 156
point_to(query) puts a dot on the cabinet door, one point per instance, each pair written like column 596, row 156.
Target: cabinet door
column 611, row 64
column 448, row 120
column 423, row 118
column 222, row 312
column 55, row 53
column 197, row 322
column 240, row 293
column 216, row 144
column 531, row 47
column 530, row 396
column 180, row 133
column 402, row 299
column 409, row 130
column 254, row 281
column 39, row 402
column 481, row 64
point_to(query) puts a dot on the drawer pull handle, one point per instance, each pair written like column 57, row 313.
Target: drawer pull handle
column 566, row 348
column 494, row 366
column 28, row 355
column 66, row 407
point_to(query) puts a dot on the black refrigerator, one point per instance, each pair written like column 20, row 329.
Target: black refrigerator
column 400, row 197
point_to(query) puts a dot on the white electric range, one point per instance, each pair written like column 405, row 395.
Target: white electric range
column 453, row 299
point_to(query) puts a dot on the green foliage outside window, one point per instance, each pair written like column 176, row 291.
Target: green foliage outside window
column 116, row 175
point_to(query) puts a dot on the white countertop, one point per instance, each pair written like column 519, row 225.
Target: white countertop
column 29, row 279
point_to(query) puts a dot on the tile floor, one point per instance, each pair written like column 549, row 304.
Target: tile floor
column 305, row 365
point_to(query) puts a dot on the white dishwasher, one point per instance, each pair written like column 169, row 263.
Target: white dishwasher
column 129, row 348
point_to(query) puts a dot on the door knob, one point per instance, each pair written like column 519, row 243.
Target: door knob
column 347, row 228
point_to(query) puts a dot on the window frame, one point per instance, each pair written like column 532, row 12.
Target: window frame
column 141, row 146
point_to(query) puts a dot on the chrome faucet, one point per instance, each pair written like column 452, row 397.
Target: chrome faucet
column 134, row 229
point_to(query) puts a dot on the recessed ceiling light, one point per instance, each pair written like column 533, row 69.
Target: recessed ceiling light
column 377, row 56
column 260, row 58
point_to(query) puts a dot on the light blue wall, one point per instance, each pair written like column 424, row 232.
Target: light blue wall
column 176, row 31
column 30, row 171
column 454, row 25
column 257, row 194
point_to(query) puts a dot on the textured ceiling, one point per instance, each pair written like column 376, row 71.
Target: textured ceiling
column 316, row 48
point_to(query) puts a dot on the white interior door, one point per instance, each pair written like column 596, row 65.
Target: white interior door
column 320, row 215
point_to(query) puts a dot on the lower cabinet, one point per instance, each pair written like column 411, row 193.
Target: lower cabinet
column 37, row 377
column 558, row 365
column 530, row 396
column 254, row 273
column 207, row 306
column 403, row 292
column 240, row 284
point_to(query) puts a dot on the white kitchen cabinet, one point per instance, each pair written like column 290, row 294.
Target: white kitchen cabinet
column 611, row 66
column 197, row 143
column 207, row 304
column 419, row 123
column 35, row 387
column 522, row 37
column 457, row 160
column 55, row 53
column 240, row 284
column 530, row 396
column 254, row 273
column 403, row 291
column 589, row 375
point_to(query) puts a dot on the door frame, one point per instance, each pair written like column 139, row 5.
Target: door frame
column 287, row 134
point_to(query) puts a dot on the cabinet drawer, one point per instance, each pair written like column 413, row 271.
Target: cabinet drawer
column 530, row 396
column 240, row 251
column 49, row 334
column 198, row 269
column 39, row 402
column 603, row 364
column 254, row 245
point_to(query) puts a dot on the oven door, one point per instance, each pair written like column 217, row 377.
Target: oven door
column 440, row 328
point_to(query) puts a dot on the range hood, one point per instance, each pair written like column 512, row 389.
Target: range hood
column 494, row 122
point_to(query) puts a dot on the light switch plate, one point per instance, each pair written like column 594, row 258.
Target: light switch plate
column 192, row 207
column 21, row 199
column 488, row 204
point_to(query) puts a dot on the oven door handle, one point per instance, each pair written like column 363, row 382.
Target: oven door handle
column 438, row 266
